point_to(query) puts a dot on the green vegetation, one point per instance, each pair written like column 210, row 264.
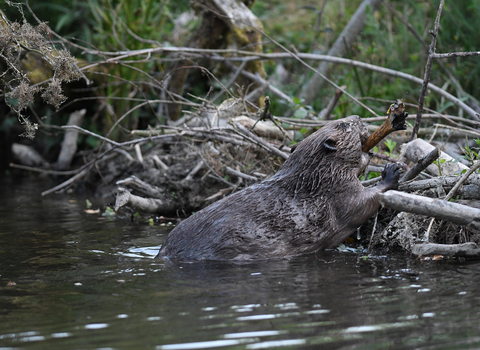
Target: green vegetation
column 390, row 145
column 472, row 154
column 118, row 99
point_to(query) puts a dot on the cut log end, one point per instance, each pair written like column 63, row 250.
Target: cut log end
column 395, row 122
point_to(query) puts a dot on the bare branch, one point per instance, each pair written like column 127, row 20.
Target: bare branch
column 428, row 69
column 252, row 56
column 455, row 54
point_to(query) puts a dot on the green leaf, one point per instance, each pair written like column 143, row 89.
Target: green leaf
column 300, row 113
column 390, row 144
column 296, row 100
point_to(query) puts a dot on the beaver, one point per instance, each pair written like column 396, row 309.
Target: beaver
column 314, row 202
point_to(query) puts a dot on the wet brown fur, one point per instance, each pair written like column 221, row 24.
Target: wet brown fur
column 314, row 202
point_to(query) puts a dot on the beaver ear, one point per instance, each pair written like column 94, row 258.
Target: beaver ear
column 330, row 144
column 293, row 147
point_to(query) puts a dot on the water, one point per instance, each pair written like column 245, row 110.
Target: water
column 69, row 280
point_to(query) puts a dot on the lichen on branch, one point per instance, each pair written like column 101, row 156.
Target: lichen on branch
column 25, row 50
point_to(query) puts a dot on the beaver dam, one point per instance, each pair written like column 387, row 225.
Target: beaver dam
column 169, row 172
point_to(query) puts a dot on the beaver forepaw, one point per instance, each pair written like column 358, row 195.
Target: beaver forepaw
column 390, row 175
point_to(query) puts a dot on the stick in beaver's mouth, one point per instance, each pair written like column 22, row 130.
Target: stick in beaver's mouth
column 395, row 121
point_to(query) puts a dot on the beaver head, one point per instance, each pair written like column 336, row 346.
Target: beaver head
column 333, row 154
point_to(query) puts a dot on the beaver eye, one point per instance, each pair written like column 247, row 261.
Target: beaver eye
column 330, row 144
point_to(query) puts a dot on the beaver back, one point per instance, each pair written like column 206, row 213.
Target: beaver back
column 303, row 208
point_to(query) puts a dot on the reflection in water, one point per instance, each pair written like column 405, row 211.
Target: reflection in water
column 70, row 280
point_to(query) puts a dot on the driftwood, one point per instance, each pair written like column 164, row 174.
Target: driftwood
column 147, row 205
column 418, row 149
column 27, row 155
column 462, row 180
column 468, row 249
column 69, row 144
column 142, row 187
column 453, row 212
column 262, row 128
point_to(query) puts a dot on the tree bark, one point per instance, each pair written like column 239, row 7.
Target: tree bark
column 237, row 22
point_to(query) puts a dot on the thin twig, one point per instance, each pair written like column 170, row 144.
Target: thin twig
column 428, row 69
column 255, row 139
column 68, row 182
column 373, row 231
column 44, row 171
column 258, row 79
column 240, row 174
column 474, row 133
column 230, row 82
column 87, row 132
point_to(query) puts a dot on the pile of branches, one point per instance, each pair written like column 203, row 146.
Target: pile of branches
column 187, row 163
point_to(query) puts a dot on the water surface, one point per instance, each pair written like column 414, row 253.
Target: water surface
column 69, row 280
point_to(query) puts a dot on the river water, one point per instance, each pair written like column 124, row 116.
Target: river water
column 70, row 280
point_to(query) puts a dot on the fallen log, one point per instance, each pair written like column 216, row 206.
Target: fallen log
column 469, row 249
column 439, row 209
